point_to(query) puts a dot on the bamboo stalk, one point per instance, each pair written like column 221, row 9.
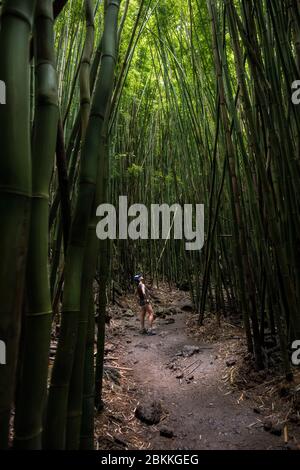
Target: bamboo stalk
column 38, row 316
column 62, row 368
column 15, row 187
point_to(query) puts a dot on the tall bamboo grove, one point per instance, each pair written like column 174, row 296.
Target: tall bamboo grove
column 165, row 102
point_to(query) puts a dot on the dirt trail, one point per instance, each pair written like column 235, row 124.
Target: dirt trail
column 197, row 407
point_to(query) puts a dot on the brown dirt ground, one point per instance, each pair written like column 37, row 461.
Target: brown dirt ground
column 213, row 406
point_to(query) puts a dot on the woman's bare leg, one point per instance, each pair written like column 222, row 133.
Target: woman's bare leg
column 150, row 313
column 142, row 318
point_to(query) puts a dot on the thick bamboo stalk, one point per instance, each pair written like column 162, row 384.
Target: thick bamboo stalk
column 88, row 402
column 76, row 383
column 55, row 437
column 15, row 187
column 37, row 323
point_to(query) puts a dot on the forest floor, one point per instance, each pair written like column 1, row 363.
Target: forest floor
column 197, row 382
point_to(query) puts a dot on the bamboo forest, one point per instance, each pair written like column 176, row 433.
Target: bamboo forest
column 150, row 225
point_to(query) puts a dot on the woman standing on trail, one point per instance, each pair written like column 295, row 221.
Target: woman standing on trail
column 146, row 307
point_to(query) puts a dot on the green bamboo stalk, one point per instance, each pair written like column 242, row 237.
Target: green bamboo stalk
column 85, row 66
column 87, row 423
column 64, row 186
column 76, row 390
column 76, row 383
column 15, row 187
column 103, row 263
column 37, row 324
column 55, row 437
